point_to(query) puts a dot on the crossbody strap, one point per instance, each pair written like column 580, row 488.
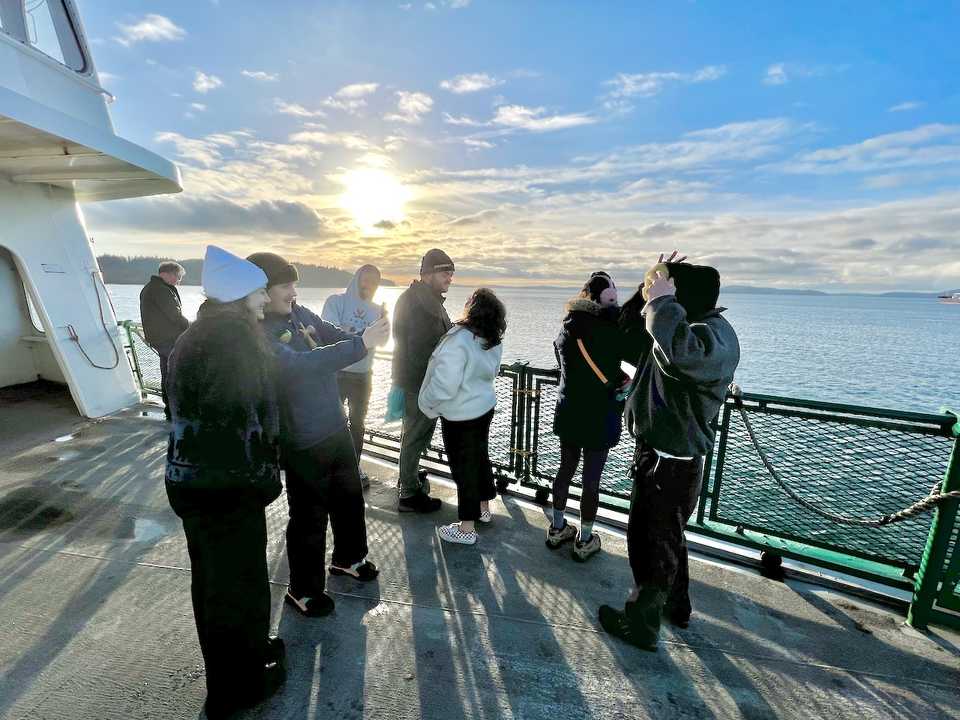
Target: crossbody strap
column 590, row 362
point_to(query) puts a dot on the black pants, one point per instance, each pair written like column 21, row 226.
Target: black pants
column 414, row 440
column 467, row 443
column 355, row 391
column 593, row 462
column 665, row 494
column 164, row 354
column 231, row 597
column 323, row 482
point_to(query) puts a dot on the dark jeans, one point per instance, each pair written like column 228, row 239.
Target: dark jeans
column 467, row 443
column 593, row 462
column 164, row 354
column 665, row 494
column 414, row 440
column 231, row 596
column 323, row 482
column 355, row 391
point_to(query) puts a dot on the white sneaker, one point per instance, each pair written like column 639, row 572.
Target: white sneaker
column 453, row 533
column 486, row 516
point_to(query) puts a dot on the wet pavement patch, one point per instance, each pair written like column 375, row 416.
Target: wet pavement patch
column 37, row 507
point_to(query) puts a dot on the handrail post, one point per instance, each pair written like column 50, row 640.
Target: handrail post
column 927, row 583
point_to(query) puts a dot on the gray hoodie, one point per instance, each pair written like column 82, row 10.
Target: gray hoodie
column 682, row 379
column 352, row 314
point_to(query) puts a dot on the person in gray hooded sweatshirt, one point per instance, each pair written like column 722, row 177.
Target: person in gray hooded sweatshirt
column 353, row 312
column 685, row 365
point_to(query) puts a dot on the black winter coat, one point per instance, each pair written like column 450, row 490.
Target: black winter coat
column 223, row 447
column 587, row 414
column 161, row 314
column 419, row 321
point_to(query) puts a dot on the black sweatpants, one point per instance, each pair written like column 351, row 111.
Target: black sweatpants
column 323, row 482
column 593, row 462
column 231, row 597
column 665, row 494
column 355, row 392
column 467, row 443
column 164, row 355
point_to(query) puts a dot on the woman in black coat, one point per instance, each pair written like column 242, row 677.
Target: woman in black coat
column 588, row 415
column 221, row 473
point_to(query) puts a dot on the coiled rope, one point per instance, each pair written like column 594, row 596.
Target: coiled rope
column 932, row 500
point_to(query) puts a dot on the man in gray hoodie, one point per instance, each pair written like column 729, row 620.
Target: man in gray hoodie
column 353, row 312
column 687, row 362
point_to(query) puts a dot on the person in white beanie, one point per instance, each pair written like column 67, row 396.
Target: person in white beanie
column 222, row 471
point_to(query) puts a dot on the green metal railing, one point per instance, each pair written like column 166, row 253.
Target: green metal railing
column 842, row 460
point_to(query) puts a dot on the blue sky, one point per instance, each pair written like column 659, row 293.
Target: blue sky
column 789, row 144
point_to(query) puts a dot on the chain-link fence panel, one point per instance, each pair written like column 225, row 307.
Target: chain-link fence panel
column 853, row 465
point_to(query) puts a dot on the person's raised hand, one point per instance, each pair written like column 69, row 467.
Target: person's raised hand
column 661, row 287
column 673, row 257
column 377, row 334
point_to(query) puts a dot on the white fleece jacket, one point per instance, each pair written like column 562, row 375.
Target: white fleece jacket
column 459, row 384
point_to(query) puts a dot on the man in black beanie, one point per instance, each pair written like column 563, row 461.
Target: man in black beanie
column 419, row 321
column 686, row 363
column 317, row 452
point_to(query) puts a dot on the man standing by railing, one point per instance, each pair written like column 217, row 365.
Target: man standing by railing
column 419, row 321
column 162, row 317
column 682, row 377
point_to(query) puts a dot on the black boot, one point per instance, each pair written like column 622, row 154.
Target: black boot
column 639, row 622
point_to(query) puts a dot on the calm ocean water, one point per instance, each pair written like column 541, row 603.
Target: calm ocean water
column 881, row 352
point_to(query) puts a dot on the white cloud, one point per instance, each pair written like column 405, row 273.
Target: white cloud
column 776, row 75
column 411, row 107
column 533, row 119
column 151, row 28
column 347, row 140
column 781, row 73
column 351, row 98
column 405, row 6
column 470, row 83
column 626, row 85
column 478, row 144
column 106, row 77
column 285, row 108
column 456, row 4
column 357, row 90
column 260, row 75
column 462, row 120
column 905, row 106
column 924, row 146
column 204, row 83
column 199, row 107
column 201, row 151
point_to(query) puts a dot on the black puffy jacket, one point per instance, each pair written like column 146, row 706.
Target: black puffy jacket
column 587, row 414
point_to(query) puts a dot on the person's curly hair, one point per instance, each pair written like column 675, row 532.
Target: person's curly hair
column 486, row 317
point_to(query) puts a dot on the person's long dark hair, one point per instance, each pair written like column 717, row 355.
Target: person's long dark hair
column 486, row 317
column 226, row 367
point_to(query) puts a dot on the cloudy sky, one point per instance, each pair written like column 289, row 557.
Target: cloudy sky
column 789, row 144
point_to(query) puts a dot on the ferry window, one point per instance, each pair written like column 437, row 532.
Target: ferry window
column 50, row 30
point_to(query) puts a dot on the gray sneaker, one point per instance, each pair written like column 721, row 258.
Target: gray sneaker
column 583, row 550
column 556, row 538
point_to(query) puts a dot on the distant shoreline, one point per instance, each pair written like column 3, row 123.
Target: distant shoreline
column 731, row 290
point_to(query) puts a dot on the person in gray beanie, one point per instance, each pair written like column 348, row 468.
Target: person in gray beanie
column 419, row 321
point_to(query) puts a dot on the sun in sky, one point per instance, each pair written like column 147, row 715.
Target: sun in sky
column 373, row 197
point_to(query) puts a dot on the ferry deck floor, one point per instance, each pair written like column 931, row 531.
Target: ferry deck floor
column 96, row 623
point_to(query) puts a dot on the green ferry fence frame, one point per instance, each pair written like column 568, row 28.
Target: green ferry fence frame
column 838, row 469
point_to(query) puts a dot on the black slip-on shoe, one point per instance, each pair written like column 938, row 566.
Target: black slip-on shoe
column 365, row 572
column 617, row 624
column 311, row 606
column 420, row 503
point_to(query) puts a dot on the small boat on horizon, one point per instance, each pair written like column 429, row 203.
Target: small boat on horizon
column 950, row 299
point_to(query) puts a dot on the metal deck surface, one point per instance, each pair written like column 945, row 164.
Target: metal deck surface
column 97, row 622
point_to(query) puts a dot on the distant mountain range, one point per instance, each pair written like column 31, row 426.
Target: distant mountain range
column 119, row 270
column 749, row 290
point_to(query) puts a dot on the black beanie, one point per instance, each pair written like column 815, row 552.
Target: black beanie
column 698, row 287
column 277, row 270
column 436, row 261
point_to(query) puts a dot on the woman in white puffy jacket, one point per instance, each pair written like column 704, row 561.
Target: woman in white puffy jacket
column 459, row 389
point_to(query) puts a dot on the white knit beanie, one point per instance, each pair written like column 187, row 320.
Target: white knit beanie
column 226, row 277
